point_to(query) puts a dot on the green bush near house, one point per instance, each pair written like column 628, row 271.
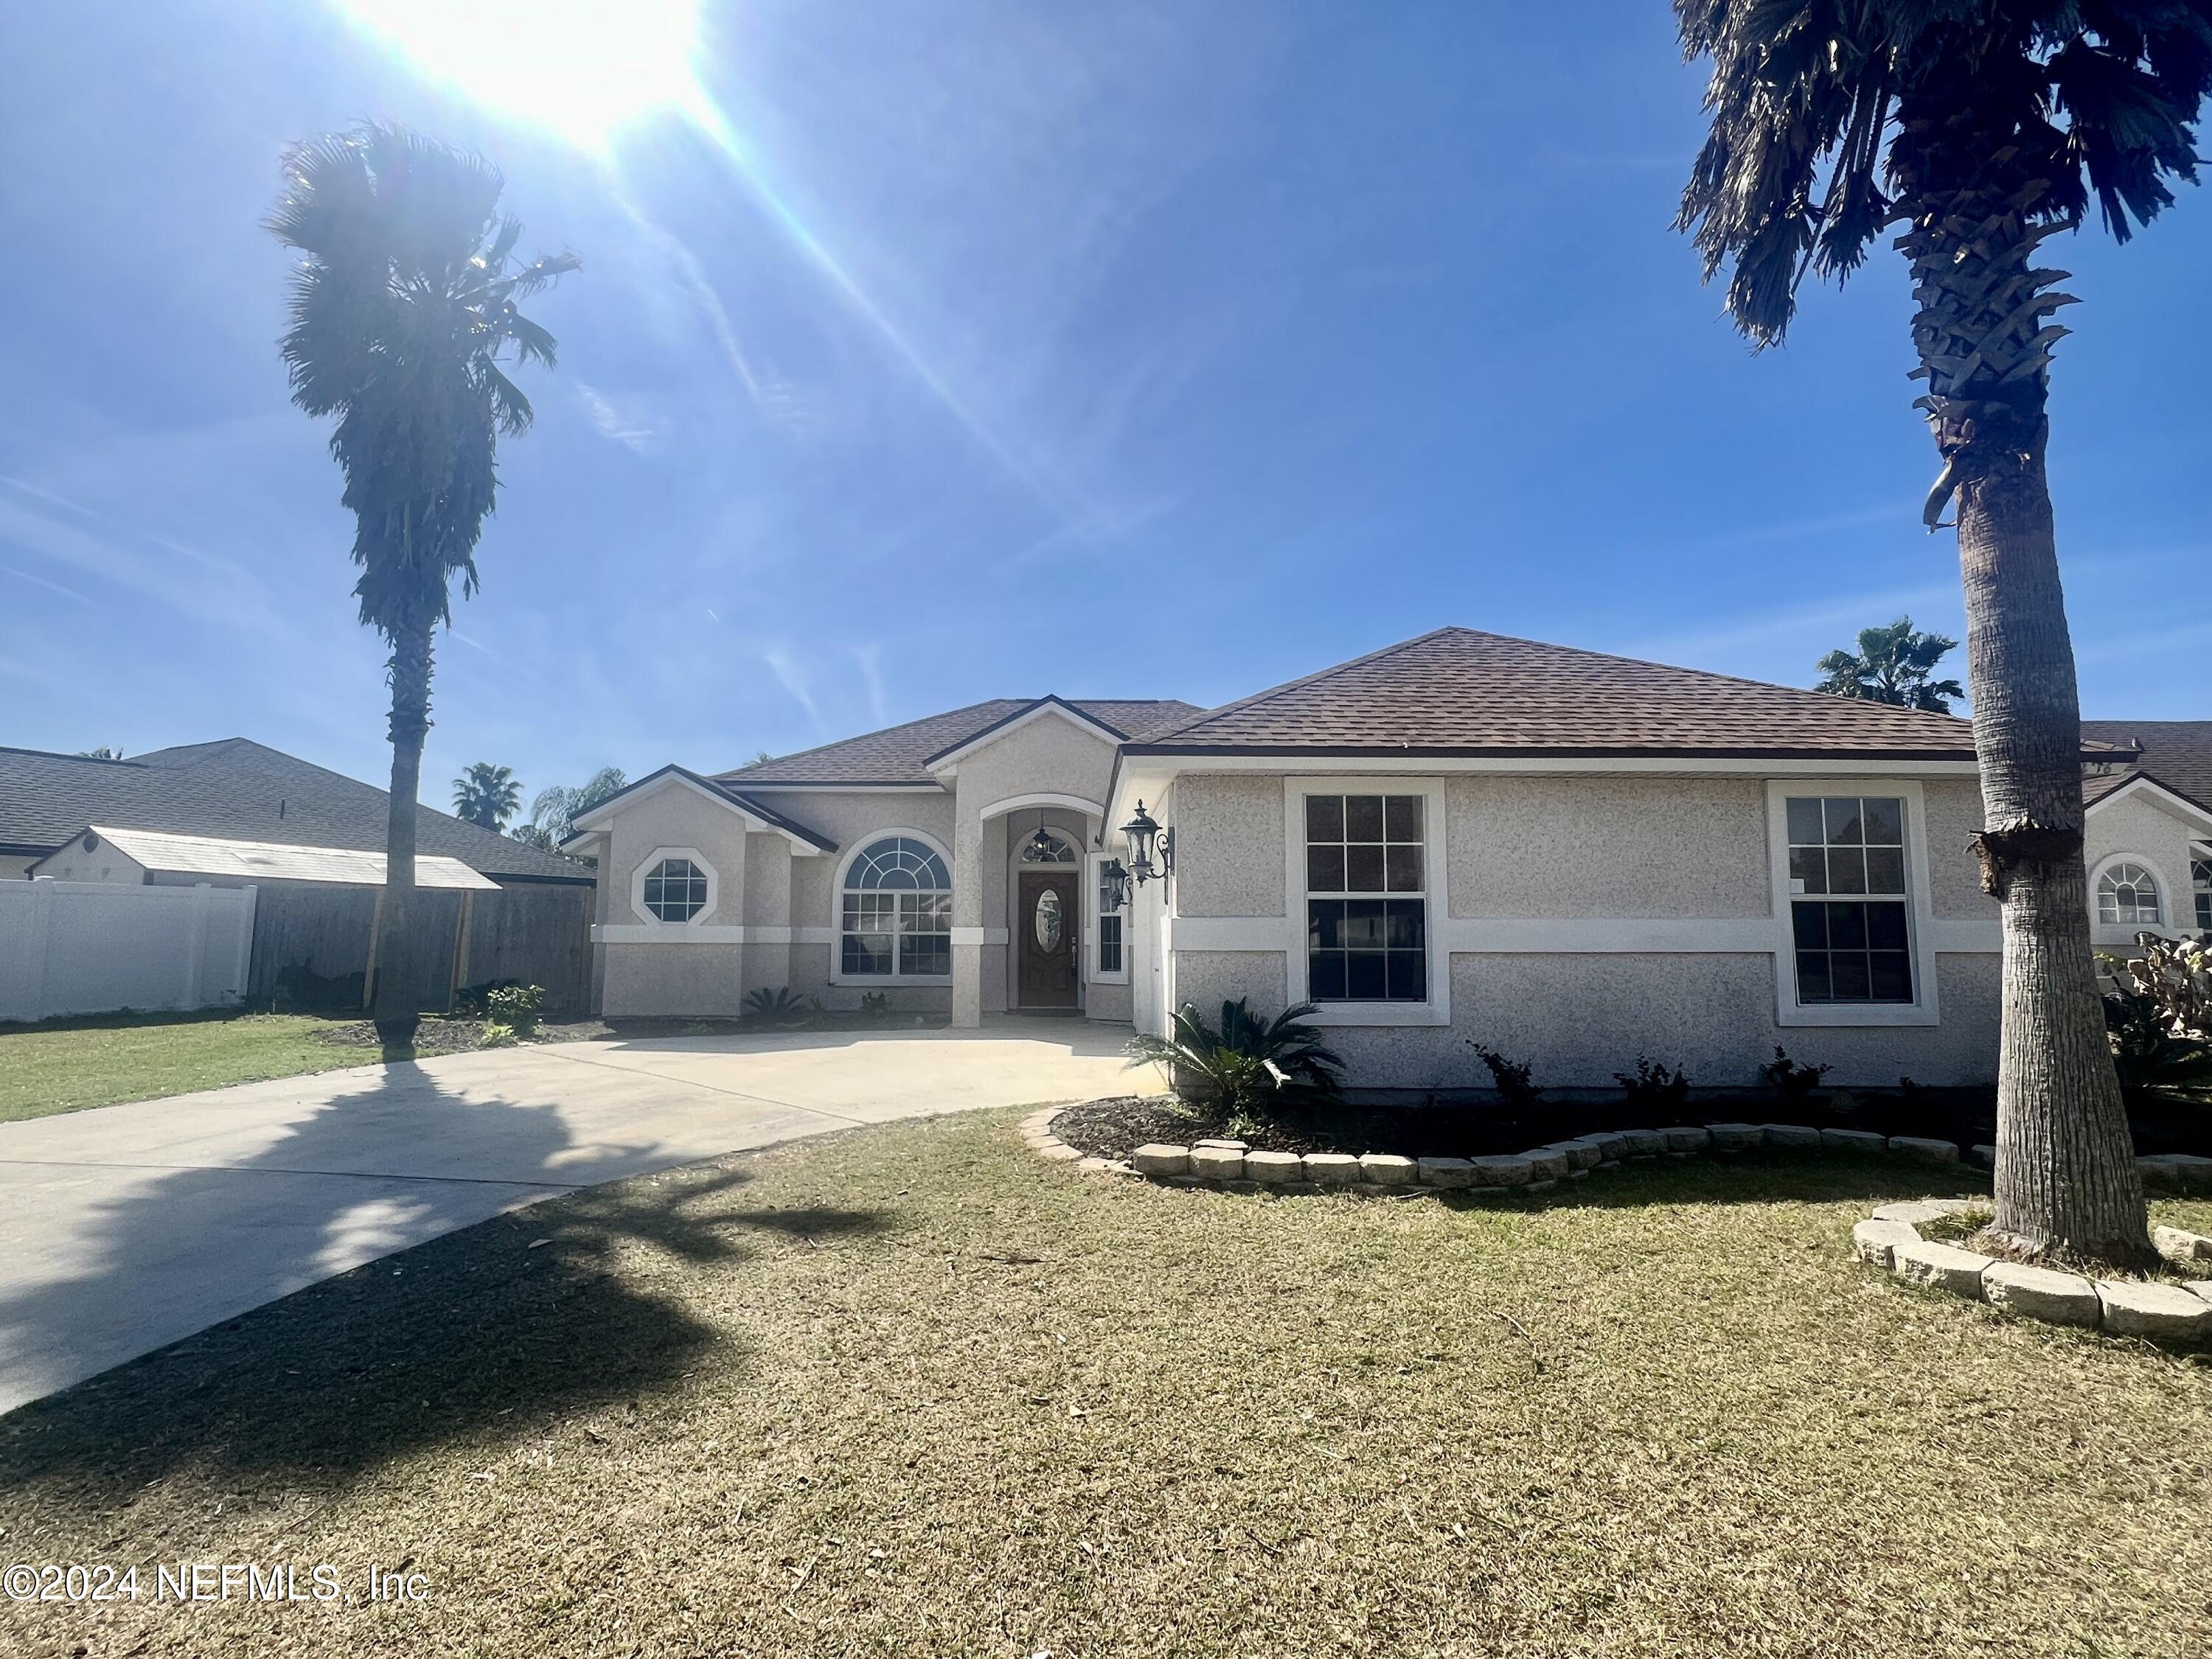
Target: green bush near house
column 517, row 1007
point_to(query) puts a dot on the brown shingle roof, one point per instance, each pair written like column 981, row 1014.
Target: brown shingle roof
column 1458, row 691
column 2176, row 753
column 895, row 755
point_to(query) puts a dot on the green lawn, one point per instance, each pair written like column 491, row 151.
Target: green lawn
column 66, row 1064
column 912, row 1391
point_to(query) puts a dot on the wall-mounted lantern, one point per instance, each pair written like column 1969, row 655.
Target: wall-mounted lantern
column 1145, row 836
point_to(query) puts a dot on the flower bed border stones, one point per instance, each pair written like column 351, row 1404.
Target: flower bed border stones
column 1233, row 1162
column 2171, row 1313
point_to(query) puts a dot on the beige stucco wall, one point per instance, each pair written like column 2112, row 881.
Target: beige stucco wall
column 1954, row 809
column 1229, row 845
column 852, row 819
column 1578, row 1019
column 1606, row 847
column 703, row 980
column 674, row 817
column 2145, row 830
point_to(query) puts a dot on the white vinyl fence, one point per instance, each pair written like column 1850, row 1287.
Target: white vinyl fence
column 86, row 947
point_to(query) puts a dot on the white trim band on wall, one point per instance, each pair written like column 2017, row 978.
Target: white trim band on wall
column 632, row 933
column 1576, row 936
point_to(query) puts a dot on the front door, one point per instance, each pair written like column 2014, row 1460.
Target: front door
column 1044, row 940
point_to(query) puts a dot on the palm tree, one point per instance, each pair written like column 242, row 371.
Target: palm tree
column 553, row 813
column 1893, row 665
column 401, row 311
column 1982, row 127
column 487, row 796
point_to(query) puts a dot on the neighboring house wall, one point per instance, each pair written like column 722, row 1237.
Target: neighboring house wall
column 1534, row 870
column 2142, row 827
column 84, row 948
column 14, row 866
column 105, row 862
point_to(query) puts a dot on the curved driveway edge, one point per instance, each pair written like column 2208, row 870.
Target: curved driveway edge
column 125, row 1228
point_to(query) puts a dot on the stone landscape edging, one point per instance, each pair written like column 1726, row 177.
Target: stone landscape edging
column 1234, row 1162
column 1890, row 1239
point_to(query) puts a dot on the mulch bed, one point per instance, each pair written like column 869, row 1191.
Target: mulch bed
column 1113, row 1127
column 455, row 1036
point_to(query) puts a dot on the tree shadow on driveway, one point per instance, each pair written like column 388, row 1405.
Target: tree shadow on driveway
column 479, row 1338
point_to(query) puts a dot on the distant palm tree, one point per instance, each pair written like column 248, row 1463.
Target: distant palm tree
column 487, row 796
column 553, row 813
column 401, row 314
column 1893, row 665
column 1981, row 127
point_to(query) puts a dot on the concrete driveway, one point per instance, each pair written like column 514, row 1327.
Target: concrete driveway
column 124, row 1228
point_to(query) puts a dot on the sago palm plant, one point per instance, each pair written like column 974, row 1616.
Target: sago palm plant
column 402, row 314
column 1246, row 1065
column 1980, row 128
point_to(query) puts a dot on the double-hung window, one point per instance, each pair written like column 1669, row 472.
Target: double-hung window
column 2200, row 879
column 1849, row 909
column 1367, row 906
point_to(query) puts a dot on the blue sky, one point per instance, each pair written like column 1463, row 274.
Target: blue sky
column 1131, row 350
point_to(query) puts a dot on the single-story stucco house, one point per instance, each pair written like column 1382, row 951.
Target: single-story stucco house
column 1465, row 837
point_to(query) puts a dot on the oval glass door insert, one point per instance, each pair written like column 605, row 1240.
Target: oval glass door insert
column 1048, row 921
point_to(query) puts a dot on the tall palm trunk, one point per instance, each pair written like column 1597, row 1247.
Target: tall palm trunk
column 2066, row 1175
column 410, row 672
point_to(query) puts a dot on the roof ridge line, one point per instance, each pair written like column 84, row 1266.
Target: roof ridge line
column 1258, row 697
column 880, row 730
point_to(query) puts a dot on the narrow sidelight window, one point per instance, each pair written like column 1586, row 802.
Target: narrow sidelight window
column 1367, row 904
column 1110, row 929
column 1848, row 904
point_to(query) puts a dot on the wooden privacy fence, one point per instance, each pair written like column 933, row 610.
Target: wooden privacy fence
column 532, row 934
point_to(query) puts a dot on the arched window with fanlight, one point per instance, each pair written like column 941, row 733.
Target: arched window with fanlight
column 2127, row 896
column 896, row 917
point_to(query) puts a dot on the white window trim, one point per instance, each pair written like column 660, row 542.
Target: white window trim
column 1091, row 914
column 2104, row 933
column 845, row 863
column 2199, row 853
column 1436, row 859
column 1921, row 930
column 651, row 862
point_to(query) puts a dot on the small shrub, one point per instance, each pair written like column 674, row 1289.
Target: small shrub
column 1654, row 1088
column 1515, row 1081
column 473, row 1001
column 2173, row 975
column 780, row 1006
column 2155, row 1062
column 1246, row 1067
column 1794, row 1084
column 875, row 1004
column 517, row 1007
column 496, row 1036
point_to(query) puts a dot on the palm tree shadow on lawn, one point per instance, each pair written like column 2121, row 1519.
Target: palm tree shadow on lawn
column 480, row 1338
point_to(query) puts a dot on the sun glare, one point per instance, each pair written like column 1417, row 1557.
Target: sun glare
column 580, row 68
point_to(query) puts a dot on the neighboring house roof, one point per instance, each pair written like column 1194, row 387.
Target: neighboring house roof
column 896, row 756
column 758, row 813
column 240, row 790
column 2175, row 753
column 1457, row 691
column 262, row 861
